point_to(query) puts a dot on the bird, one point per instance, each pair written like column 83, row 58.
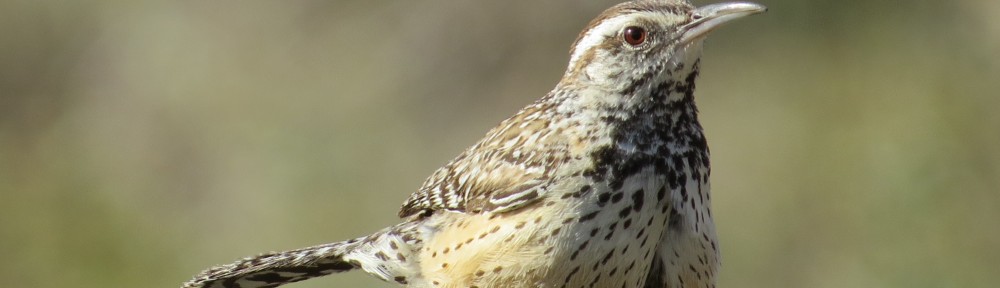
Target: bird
column 602, row 182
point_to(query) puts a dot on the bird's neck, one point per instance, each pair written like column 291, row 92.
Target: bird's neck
column 648, row 122
column 661, row 114
column 658, row 99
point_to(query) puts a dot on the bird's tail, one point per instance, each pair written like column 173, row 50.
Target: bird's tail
column 370, row 253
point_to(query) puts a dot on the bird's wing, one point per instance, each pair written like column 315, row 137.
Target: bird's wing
column 510, row 167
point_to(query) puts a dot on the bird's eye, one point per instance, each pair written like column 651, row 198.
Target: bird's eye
column 634, row 35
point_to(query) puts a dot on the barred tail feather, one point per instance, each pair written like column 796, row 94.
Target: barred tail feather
column 369, row 253
column 277, row 268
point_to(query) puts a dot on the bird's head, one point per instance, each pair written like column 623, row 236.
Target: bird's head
column 638, row 44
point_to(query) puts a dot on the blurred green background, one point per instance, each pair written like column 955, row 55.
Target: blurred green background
column 855, row 143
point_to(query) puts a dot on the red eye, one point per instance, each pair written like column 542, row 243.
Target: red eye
column 634, row 36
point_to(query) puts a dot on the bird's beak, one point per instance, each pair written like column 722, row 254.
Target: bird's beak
column 707, row 18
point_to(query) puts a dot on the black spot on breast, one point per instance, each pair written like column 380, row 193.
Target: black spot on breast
column 607, row 257
column 578, row 249
column 617, row 197
column 570, row 276
column 589, row 216
column 625, row 212
column 637, row 199
column 603, row 199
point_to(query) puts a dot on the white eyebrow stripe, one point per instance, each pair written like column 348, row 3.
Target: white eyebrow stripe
column 608, row 28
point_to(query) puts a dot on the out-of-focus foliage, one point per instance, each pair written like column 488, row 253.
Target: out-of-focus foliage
column 856, row 143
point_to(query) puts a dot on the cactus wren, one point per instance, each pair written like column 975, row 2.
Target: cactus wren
column 603, row 182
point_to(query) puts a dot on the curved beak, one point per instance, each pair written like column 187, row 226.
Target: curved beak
column 707, row 18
